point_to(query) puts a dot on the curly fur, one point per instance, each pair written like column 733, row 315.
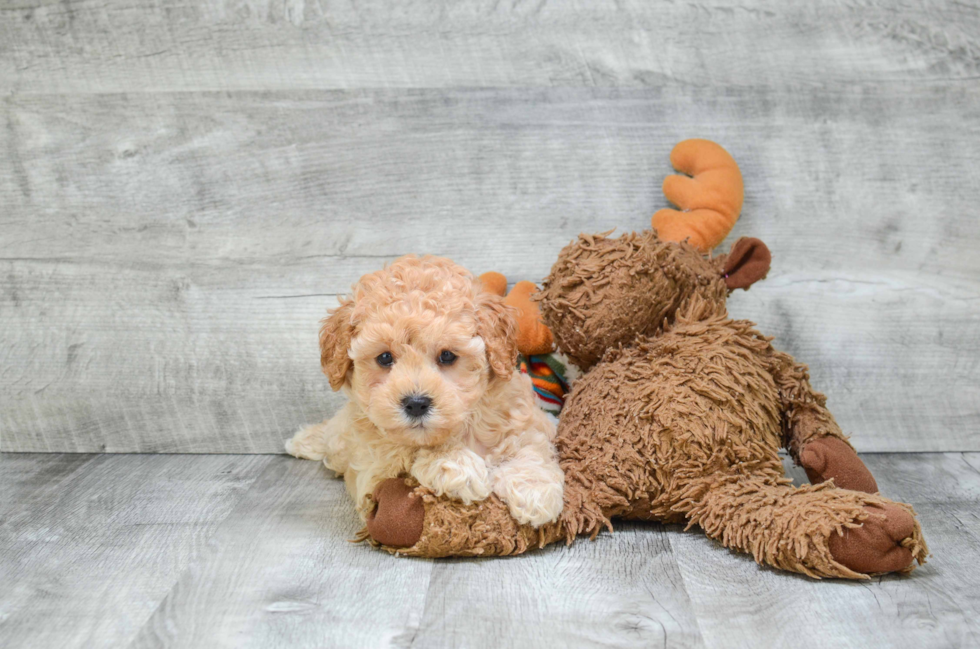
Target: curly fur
column 483, row 432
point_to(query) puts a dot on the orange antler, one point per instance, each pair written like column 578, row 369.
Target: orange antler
column 533, row 336
column 494, row 282
column 711, row 198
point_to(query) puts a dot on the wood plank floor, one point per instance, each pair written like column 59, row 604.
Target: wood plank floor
column 236, row 551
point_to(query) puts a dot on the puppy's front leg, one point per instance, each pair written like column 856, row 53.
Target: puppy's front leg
column 532, row 484
column 324, row 441
column 453, row 471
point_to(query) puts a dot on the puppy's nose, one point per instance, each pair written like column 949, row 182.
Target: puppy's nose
column 416, row 405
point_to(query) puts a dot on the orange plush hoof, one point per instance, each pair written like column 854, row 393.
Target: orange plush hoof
column 710, row 195
column 533, row 336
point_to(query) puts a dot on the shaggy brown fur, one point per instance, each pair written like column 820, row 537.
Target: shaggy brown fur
column 680, row 418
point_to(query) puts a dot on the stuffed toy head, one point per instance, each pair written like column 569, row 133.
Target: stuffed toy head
column 604, row 292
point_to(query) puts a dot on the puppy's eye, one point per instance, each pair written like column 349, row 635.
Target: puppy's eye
column 447, row 357
column 385, row 359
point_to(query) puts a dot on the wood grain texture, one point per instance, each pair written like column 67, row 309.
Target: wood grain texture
column 165, row 257
column 114, row 46
column 623, row 590
column 89, row 545
column 738, row 604
column 172, row 551
column 281, row 573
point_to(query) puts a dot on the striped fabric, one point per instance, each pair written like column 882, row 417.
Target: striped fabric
column 549, row 376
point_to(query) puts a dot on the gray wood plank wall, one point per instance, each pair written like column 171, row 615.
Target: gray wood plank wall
column 186, row 188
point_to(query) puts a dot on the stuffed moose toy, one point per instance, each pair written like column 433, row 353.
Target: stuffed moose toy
column 680, row 412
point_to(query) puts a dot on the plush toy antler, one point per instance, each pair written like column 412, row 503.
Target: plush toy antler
column 533, row 335
column 710, row 195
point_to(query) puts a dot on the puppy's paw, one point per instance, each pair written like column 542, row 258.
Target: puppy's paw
column 533, row 497
column 307, row 444
column 460, row 474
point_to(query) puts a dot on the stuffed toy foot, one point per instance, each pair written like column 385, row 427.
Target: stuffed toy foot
column 889, row 540
column 830, row 458
column 397, row 520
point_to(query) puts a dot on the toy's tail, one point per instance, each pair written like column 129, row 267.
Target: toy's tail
column 710, row 195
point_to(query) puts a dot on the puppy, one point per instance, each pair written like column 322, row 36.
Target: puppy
column 427, row 361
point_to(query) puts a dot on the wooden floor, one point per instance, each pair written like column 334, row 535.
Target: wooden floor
column 253, row 551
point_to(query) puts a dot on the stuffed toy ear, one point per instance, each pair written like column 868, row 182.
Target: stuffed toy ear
column 746, row 264
column 336, row 331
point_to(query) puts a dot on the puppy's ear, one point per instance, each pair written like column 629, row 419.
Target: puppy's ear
column 336, row 331
column 497, row 325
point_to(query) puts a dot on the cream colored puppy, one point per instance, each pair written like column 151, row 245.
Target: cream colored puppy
column 427, row 361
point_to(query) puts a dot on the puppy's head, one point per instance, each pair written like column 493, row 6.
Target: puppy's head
column 415, row 345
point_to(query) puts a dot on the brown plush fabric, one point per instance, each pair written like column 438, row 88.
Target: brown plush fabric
column 887, row 541
column 598, row 273
column 747, row 263
column 397, row 520
column 680, row 417
column 795, row 528
column 829, row 458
